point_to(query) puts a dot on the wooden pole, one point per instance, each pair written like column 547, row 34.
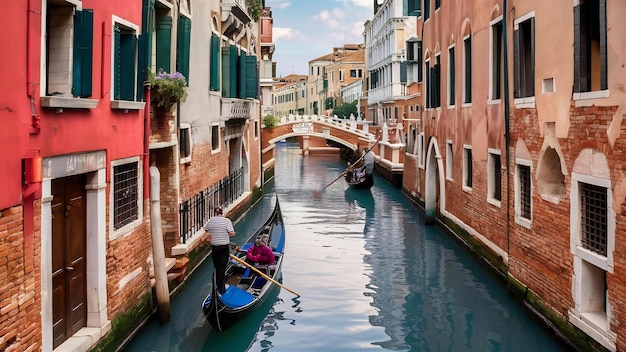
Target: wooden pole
column 158, row 250
column 262, row 274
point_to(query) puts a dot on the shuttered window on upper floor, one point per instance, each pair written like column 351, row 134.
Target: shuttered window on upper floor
column 590, row 46
column 214, row 75
column 124, row 63
column 163, row 43
column 184, row 46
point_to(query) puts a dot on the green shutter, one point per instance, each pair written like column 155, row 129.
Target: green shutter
column 83, row 54
column 226, row 82
column 124, row 51
column 232, row 92
column 163, row 42
column 215, row 63
column 243, row 64
column 184, row 44
column 145, row 47
column 252, row 77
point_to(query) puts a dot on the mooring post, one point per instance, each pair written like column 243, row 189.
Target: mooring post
column 158, row 250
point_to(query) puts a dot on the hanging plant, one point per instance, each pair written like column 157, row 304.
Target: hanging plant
column 254, row 9
column 168, row 89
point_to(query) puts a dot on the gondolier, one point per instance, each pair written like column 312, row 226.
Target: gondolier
column 220, row 229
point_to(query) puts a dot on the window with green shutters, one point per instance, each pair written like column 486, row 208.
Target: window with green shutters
column 243, row 73
column 184, row 44
column 229, row 71
column 252, row 78
column 215, row 63
column 83, row 54
column 125, row 54
column 163, row 42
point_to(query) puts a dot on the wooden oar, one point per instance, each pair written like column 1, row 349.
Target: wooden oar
column 356, row 162
column 262, row 274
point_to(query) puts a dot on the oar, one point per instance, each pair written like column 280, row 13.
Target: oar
column 262, row 274
column 356, row 162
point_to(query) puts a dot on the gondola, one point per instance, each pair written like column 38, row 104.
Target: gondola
column 247, row 288
column 359, row 182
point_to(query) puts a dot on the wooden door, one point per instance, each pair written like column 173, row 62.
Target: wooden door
column 69, row 234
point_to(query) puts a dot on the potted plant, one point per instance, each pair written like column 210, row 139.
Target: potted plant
column 168, row 89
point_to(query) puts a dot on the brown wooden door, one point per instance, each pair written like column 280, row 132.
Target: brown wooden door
column 69, row 235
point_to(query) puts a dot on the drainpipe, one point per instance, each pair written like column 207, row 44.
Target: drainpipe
column 507, row 137
column 33, row 23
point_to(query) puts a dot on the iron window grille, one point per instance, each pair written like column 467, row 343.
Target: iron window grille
column 124, row 195
column 524, row 191
column 594, row 226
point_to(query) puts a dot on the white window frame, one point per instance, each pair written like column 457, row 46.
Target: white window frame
column 451, row 65
column 124, row 104
column 130, row 227
column 421, row 150
column 187, row 128
column 519, row 219
column 491, row 182
column 465, row 59
column 465, row 187
column 492, row 101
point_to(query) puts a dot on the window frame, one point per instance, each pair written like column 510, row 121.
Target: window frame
column 468, row 168
column 467, row 71
column 494, row 174
column 185, row 143
column 519, row 218
column 495, row 77
column 117, row 103
column 524, row 91
column 216, row 128
column 451, row 76
column 128, row 228
column 449, row 160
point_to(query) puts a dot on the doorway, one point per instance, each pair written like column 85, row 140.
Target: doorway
column 69, row 266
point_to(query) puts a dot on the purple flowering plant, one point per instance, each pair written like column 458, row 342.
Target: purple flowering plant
column 168, row 89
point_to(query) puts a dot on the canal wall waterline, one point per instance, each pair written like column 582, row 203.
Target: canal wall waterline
column 553, row 320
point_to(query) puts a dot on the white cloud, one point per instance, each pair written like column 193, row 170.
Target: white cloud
column 362, row 3
column 330, row 19
column 286, row 33
column 282, row 5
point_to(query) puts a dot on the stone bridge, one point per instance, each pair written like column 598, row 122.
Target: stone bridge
column 313, row 133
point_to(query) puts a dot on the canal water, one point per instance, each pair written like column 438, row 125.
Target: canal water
column 370, row 274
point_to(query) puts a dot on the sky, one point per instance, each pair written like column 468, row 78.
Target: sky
column 307, row 29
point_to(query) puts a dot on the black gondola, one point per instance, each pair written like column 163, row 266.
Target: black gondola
column 247, row 289
column 359, row 180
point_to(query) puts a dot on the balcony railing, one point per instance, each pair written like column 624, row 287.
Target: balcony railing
column 387, row 92
column 235, row 109
column 196, row 211
column 238, row 8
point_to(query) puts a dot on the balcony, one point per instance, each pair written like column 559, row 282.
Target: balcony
column 388, row 92
column 237, row 8
column 235, row 109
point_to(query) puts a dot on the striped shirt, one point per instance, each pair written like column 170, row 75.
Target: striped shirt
column 219, row 227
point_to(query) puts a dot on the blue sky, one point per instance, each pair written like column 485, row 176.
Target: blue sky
column 307, row 29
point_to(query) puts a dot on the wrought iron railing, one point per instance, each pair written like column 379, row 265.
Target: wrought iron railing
column 196, row 211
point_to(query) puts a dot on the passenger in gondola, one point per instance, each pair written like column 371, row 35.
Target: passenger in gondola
column 261, row 253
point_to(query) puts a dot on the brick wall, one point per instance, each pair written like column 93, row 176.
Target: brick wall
column 124, row 255
column 20, row 299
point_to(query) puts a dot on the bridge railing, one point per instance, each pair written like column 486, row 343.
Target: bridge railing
column 360, row 128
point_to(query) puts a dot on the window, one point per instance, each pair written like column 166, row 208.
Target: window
column 449, row 161
column 215, row 137
column 68, row 58
column 414, row 59
column 523, row 193
column 356, row 73
column 437, row 4
column 421, row 151
column 124, row 60
column 256, row 129
column 590, row 46
column 185, row 142
column 426, row 10
column 215, row 63
column 496, row 60
column 467, row 167
column 434, row 84
column 184, row 45
column 467, row 70
column 593, row 213
column 494, row 182
column 524, row 52
column 125, row 194
column 414, row 8
column 341, row 75
column 427, row 86
column 451, row 77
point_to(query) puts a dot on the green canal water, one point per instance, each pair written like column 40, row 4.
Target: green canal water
column 370, row 274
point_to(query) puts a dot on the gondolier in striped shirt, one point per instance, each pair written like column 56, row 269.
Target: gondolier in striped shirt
column 220, row 229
